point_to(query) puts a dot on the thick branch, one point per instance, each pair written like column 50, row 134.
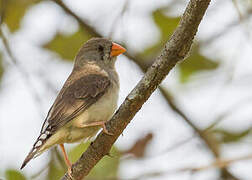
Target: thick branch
column 209, row 143
column 175, row 50
column 144, row 66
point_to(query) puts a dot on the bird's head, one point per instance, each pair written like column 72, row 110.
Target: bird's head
column 101, row 50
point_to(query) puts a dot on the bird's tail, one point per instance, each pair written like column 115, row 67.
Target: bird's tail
column 36, row 149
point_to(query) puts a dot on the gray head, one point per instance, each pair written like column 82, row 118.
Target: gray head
column 101, row 50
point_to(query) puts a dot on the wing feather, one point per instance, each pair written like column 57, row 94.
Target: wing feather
column 73, row 99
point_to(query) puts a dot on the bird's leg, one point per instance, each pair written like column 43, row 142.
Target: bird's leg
column 98, row 123
column 67, row 161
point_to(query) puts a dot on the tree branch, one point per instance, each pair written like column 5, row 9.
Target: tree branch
column 209, row 143
column 218, row 163
column 207, row 140
column 175, row 50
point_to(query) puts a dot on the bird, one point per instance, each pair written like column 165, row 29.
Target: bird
column 86, row 101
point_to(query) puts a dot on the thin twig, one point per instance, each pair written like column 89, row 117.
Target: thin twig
column 219, row 163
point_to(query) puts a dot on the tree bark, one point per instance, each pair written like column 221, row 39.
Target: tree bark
column 174, row 51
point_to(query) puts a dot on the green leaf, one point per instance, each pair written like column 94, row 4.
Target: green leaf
column 55, row 171
column 166, row 26
column 165, row 23
column 15, row 11
column 76, row 152
column 67, row 45
column 195, row 63
column 226, row 136
column 106, row 168
column 12, row 174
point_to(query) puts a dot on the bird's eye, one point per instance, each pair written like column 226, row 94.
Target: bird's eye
column 100, row 48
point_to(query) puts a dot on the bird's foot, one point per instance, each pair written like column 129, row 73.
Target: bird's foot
column 98, row 123
column 69, row 172
column 67, row 161
column 105, row 129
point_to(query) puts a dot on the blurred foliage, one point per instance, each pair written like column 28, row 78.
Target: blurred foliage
column 12, row 174
column 14, row 12
column 75, row 153
column 194, row 63
column 166, row 26
column 139, row 148
column 106, row 168
column 226, row 136
column 67, row 45
column 54, row 171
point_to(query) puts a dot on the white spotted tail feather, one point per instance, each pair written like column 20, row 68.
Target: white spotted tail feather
column 44, row 136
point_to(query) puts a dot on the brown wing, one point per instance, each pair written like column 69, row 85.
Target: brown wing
column 71, row 101
column 74, row 99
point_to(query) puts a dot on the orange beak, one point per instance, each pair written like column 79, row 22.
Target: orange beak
column 116, row 50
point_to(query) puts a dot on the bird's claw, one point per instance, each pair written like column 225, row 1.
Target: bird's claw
column 69, row 172
column 106, row 131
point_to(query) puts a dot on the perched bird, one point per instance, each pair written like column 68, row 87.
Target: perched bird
column 86, row 101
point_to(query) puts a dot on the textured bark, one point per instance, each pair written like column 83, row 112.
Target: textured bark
column 174, row 51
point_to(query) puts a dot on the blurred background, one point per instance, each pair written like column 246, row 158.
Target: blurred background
column 196, row 126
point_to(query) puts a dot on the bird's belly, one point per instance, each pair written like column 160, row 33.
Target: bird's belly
column 102, row 110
